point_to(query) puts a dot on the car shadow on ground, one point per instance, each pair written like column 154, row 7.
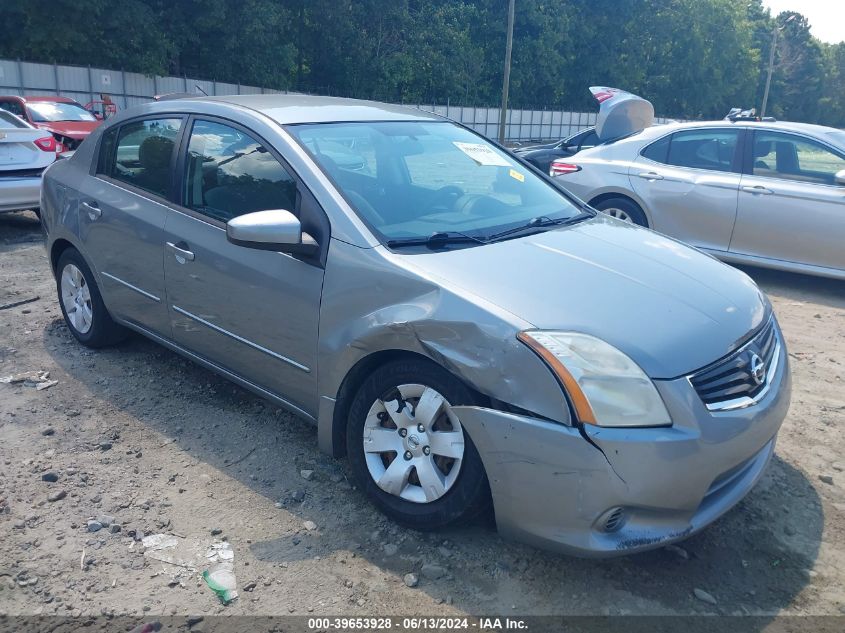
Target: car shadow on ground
column 756, row 559
column 820, row 290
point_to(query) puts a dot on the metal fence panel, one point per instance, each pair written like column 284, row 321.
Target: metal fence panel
column 129, row 89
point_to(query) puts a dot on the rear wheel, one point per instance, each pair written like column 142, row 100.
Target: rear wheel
column 623, row 209
column 408, row 450
column 82, row 306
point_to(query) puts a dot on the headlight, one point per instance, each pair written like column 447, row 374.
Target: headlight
column 605, row 386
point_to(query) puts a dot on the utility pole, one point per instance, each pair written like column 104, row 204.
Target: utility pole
column 506, row 83
column 775, row 32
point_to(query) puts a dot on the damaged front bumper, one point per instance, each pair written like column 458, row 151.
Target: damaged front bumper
column 614, row 491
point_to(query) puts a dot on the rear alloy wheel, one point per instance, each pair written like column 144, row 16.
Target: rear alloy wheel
column 408, row 450
column 82, row 306
column 623, row 209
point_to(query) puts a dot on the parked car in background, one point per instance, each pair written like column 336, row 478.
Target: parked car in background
column 64, row 118
column 459, row 326
column 763, row 193
column 541, row 156
column 25, row 152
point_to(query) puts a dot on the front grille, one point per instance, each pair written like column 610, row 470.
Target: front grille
column 738, row 379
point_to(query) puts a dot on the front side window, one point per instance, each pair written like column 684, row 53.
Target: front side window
column 413, row 179
column 45, row 111
column 229, row 173
column 144, row 154
column 789, row 157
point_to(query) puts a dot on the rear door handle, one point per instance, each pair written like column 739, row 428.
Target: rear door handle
column 757, row 189
column 650, row 175
column 94, row 212
column 182, row 254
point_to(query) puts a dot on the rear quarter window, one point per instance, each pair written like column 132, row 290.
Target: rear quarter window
column 659, row 150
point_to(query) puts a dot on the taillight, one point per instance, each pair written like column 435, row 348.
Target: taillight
column 559, row 168
column 47, row 144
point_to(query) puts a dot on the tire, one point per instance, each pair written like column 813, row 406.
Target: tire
column 463, row 492
column 82, row 305
column 623, row 209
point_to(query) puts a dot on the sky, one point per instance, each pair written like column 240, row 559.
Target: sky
column 826, row 17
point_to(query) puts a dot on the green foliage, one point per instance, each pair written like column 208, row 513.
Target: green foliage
column 691, row 58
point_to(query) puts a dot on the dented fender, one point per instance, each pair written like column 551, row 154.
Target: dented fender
column 369, row 307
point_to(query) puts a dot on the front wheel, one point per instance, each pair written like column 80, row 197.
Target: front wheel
column 408, row 450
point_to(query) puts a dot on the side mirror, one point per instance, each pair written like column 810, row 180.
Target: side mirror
column 276, row 230
column 839, row 178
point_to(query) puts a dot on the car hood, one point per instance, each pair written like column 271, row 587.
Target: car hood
column 77, row 130
column 671, row 308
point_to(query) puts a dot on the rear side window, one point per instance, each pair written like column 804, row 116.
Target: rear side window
column 712, row 150
column 703, row 149
column 229, row 173
column 143, row 156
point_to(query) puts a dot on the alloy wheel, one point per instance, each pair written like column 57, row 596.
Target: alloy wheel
column 619, row 214
column 76, row 299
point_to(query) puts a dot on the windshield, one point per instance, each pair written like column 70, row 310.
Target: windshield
column 410, row 180
column 43, row 111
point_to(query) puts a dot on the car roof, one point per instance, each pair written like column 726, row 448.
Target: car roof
column 782, row 126
column 48, row 98
column 292, row 109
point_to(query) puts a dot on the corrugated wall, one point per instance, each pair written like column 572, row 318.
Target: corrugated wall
column 85, row 84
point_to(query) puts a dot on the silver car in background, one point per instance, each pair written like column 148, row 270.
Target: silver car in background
column 25, row 151
column 765, row 193
column 457, row 325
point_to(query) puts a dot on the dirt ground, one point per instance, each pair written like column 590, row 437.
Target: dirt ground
column 138, row 436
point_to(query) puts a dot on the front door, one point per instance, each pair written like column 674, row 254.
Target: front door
column 689, row 182
column 790, row 207
column 252, row 312
column 122, row 211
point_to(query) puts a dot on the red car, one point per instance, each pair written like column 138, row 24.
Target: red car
column 64, row 118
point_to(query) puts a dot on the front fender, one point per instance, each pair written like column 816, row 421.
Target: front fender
column 372, row 305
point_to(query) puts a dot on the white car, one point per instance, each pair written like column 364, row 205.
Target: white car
column 765, row 193
column 25, row 151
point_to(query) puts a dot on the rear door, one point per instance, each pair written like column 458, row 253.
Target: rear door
column 689, row 181
column 123, row 207
column 253, row 312
column 790, row 207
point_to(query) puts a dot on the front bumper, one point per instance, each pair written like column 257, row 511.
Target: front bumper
column 553, row 487
column 19, row 194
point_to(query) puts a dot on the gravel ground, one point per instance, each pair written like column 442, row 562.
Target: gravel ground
column 138, row 437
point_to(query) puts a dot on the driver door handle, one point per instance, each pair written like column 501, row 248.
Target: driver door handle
column 94, row 212
column 650, row 175
column 757, row 189
column 182, row 254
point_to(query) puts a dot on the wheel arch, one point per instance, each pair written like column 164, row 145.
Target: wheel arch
column 58, row 247
column 353, row 380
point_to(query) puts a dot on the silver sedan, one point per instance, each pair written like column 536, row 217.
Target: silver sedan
column 457, row 325
column 765, row 193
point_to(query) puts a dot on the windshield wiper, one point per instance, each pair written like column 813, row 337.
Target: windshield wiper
column 437, row 240
column 542, row 221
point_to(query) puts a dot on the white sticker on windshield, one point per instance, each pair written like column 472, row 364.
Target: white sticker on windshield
column 482, row 154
